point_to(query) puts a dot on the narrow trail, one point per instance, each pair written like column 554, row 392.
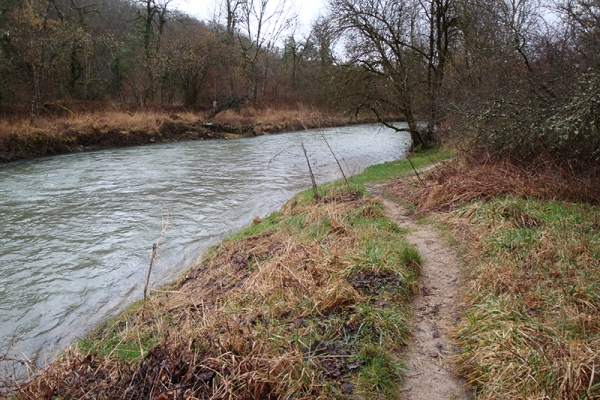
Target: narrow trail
column 435, row 311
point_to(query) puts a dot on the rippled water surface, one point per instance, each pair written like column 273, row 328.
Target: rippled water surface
column 77, row 230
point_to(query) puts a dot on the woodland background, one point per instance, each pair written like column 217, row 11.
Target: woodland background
column 517, row 78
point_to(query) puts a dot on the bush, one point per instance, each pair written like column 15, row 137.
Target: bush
column 529, row 126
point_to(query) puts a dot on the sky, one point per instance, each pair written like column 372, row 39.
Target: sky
column 308, row 10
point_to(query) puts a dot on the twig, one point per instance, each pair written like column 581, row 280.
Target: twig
column 414, row 169
column 149, row 270
column 312, row 176
column 165, row 224
column 334, row 156
column 432, row 162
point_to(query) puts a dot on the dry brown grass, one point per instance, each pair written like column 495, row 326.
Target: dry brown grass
column 271, row 120
column 92, row 130
column 466, row 178
column 142, row 120
column 531, row 328
column 271, row 313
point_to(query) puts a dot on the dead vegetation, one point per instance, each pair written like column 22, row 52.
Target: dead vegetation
column 285, row 120
column 531, row 329
column 307, row 303
column 468, row 178
column 93, row 130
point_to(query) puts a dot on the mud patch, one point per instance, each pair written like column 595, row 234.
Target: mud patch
column 373, row 282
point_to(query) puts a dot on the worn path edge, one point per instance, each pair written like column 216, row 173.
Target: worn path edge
column 436, row 310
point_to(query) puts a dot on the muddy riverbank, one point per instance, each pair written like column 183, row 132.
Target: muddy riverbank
column 19, row 140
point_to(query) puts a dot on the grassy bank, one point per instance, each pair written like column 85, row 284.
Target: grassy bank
column 532, row 327
column 530, row 239
column 310, row 302
column 108, row 129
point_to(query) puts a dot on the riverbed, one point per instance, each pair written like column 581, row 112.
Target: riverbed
column 77, row 230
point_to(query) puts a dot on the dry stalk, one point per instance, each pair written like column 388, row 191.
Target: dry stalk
column 335, row 157
column 312, row 175
column 149, row 270
column 414, row 169
column 165, row 224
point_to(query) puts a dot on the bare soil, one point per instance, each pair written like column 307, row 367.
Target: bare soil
column 436, row 309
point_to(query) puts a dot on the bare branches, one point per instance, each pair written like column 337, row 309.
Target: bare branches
column 262, row 23
column 322, row 134
column 407, row 45
column 12, row 369
column 312, row 175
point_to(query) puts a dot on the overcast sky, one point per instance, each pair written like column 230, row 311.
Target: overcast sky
column 308, row 10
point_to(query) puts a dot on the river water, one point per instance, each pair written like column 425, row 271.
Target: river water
column 77, row 230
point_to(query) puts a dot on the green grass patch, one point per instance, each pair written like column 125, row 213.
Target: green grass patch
column 380, row 374
column 115, row 338
column 400, row 168
column 269, row 223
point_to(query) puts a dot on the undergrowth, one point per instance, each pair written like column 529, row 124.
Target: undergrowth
column 310, row 302
column 482, row 177
column 532, row 326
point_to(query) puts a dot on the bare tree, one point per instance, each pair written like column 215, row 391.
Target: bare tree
column 294, row 49
column 32, row 43
column 262, row 23
column 325, row 36
column 441, row 19
column 401, row 44
column 193, row 50
column 582, row 18
column 231, row 9
column 154, row 15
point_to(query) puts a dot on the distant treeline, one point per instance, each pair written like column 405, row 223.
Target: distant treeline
column 143, row 52
column 514, row 77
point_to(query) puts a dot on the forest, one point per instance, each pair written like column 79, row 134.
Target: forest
column 519, row 78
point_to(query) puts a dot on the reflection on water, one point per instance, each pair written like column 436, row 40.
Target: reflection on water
column 77, row 230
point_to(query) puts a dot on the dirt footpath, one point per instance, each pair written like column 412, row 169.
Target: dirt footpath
column 435, row 309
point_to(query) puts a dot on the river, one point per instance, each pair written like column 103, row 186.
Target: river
column 77, row 230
